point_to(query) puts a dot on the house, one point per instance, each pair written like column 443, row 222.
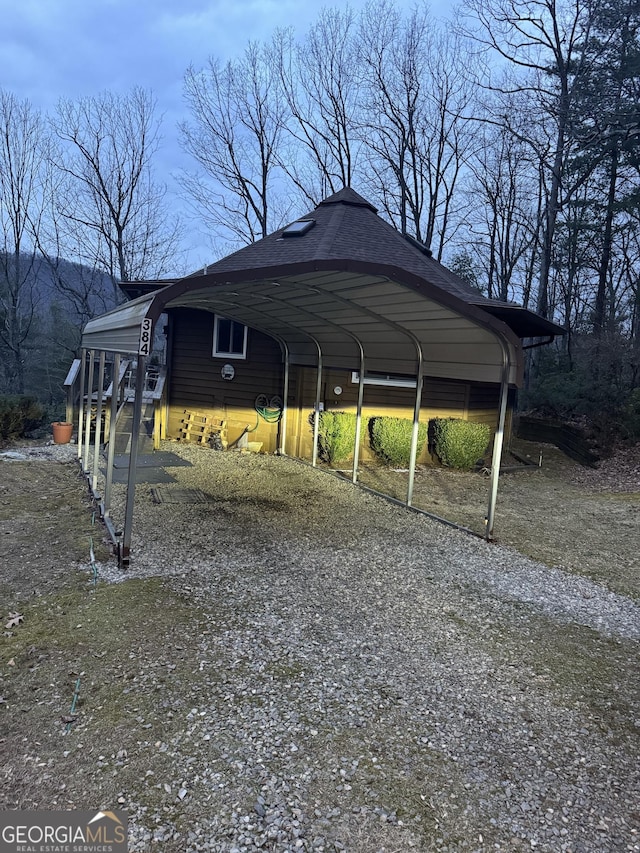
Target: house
column 337, row 310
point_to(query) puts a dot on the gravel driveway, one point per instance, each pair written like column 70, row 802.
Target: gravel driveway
column 362, row 678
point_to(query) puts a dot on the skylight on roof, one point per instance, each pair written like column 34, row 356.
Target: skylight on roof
column 297, row 229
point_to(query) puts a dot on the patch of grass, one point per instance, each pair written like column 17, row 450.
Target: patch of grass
column 285, row 671
column 416, row 789
column 134, row 647
column 599, row 674
column 45, row 526
column 579, row 667
column 88, row 627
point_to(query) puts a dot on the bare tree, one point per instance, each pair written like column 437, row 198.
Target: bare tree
column 414, row 99
column 23, row 161
column 235, row 131
column 319, row 80
column 546, row 43
column 449, row 135
column 116, row 213
column 392, row 56
column 503, row 216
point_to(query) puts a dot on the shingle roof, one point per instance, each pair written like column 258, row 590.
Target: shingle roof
column 347, row 228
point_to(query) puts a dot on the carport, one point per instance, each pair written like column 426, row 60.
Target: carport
column 326, row 301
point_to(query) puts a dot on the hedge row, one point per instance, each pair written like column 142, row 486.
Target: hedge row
column 456, row 443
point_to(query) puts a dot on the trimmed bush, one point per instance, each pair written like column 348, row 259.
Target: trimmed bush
column 459, row 444
column 391, row 439
column 336, row 435
column 19, row 416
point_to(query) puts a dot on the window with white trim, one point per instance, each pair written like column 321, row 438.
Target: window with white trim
column 229, row 338
column 390, row 379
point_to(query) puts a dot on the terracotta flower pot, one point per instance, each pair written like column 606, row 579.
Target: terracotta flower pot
column 61, row 432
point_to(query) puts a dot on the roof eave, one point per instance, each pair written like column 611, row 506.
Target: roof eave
column 524, row 322
column 467, row 309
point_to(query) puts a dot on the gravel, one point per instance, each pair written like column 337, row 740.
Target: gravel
column 365, row 679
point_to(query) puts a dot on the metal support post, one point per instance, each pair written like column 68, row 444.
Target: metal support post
column 285, row 396
column 356, row 443
column 133, row 458
column 87, row 414
column 97, row 434
column 83, row 371
column 498, row 441
column 115, row 390
column 416, row 425
column 316, row 408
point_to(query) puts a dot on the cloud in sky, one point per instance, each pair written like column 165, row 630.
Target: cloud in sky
column 70, row 48
column 52, row 49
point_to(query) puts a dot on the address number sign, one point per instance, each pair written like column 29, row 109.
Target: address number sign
column 145, row 337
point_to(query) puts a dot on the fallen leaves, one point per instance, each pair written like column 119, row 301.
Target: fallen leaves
column 14, row 620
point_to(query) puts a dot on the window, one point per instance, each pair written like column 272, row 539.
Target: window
column 297, row 229
column 394, row 380
column 229, row 338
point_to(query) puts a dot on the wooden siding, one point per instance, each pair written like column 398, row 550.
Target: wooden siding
column 196, row 382
column 440, row 398
column 483, row 407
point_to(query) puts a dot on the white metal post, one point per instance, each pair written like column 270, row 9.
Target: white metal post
column 498, row 442
column 115, row 392
column 356, row 447
column 285, row 395
column 97, row 434
column 133, row 459
column 316, row 408
column 83, row 372
column 87, row 423
column 416, row 425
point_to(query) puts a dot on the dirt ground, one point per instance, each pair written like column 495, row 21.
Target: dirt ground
column 584, row 520
column 60, row 631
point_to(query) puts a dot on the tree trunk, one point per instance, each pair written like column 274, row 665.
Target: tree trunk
column 605, row 257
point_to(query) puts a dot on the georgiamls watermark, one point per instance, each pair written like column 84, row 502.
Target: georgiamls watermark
column 63, row 832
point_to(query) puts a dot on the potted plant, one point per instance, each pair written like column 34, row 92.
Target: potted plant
column 61, row 432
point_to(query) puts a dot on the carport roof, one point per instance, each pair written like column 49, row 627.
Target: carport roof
column 348, row 280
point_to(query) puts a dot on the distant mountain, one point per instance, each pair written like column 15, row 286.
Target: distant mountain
column 57, row 298
column 78, row 290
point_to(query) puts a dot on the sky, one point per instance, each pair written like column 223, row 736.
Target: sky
column 51, row 49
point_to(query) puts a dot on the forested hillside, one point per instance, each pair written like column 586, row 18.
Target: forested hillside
column 56, row 298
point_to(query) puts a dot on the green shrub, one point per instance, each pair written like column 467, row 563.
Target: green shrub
column 458, row 443
column 391, row 439
column 19, row 416
column 336, row 435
